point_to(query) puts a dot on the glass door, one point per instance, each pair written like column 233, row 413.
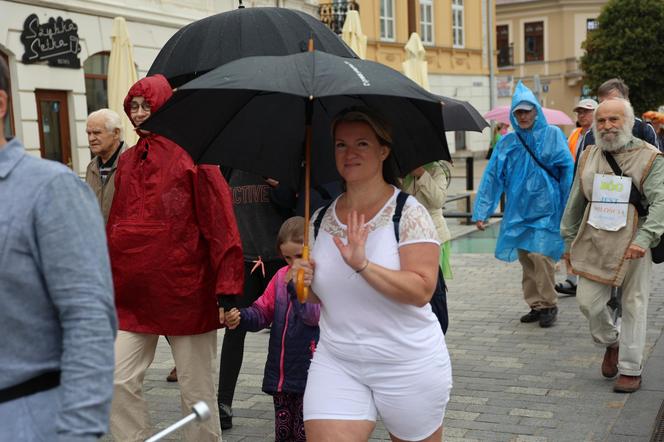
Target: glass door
column 53, row 119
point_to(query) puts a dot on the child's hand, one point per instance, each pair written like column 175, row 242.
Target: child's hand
column 233, row 317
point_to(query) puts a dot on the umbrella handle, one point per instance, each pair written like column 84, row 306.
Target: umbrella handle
column 302, row 291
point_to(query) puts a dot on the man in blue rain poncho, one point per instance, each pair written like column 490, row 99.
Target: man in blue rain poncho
column 533, row 166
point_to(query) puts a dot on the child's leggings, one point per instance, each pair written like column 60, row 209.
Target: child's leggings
column 288, row 421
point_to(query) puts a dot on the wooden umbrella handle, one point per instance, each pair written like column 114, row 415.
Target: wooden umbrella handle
column 302, row 291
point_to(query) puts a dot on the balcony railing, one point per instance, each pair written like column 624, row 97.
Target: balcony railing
column 333, row 15
column 506, row 56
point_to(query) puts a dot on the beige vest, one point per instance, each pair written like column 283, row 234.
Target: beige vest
column 598, row 254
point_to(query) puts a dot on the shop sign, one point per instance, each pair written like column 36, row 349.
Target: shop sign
column 55, row 41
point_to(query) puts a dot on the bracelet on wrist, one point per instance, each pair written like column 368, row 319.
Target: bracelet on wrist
column 366, row 264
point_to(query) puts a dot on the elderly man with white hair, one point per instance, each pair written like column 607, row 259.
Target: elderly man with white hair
column 104, row 129
column 608, row 236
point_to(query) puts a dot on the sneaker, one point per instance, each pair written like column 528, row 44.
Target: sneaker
column 610, row 362
column 566, row 287
column 548, row 316
column 225, row 416
column 173, row 375
column 532, row 316
column 627, row 384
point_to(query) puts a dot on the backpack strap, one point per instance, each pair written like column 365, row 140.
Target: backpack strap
column 319, row 218
column 641, row 129
column 539, row 163
column 396, row 218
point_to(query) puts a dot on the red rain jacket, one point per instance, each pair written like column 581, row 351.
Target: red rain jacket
column 173, row 239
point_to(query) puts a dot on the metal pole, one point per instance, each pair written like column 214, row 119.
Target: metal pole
column 470, row 178
column 470, row 183
column 201, row 413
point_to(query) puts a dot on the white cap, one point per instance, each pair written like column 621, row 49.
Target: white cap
column 524, row 105
column 586, row 103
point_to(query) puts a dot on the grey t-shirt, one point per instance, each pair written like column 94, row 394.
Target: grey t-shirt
column 258, row 217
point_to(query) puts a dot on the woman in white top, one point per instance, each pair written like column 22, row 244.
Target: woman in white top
column 381, row 350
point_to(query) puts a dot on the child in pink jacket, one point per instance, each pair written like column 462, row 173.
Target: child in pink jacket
column 293, row 336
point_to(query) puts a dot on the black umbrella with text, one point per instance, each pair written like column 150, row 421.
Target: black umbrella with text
column 269, row 114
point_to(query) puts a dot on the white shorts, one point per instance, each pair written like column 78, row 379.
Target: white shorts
column 410, row 396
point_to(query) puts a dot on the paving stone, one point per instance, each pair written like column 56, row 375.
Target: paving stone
column 524, row 390
column 523, row 438
column 462, row 415
column 469, row 399
column 530, row 413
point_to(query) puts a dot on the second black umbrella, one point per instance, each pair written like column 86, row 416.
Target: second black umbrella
column 216, row 40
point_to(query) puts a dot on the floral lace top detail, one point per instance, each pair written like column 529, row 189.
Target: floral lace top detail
column 415, row 225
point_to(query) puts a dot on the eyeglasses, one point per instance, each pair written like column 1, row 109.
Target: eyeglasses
column 133, row 106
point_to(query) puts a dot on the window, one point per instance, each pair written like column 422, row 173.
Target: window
column 387, row 20
column 457, row 24
column 534, row 41
column 592, row 24
column 505, row 50
column 9, row 118
column 426, row 21
column 96, row 85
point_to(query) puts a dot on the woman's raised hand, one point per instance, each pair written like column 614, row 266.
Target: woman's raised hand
column 353, row 252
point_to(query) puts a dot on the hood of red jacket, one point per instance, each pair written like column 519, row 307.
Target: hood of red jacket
column 155, row 89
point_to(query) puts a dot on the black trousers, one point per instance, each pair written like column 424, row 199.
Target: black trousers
column 232, row 349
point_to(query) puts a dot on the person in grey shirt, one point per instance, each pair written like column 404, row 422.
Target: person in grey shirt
column 57, row 315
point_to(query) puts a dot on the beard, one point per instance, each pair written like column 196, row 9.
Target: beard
column 611, row 140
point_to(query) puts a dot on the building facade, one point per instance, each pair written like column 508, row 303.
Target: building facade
column 455, row 35
column 58, row 53
column 540, row 43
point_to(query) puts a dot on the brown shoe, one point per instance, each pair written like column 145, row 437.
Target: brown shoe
column 627, row 384
column 173, row 376
column 610, row 362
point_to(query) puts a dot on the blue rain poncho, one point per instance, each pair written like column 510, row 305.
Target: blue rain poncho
column 534, row 200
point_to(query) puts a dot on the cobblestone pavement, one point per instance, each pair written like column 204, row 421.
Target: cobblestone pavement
column 512, row 381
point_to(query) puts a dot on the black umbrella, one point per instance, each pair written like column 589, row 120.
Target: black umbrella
column 266, row 114
column 250, row 114
column 461, row 115
column 216, row 40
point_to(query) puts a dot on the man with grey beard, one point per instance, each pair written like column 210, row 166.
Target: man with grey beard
column 606, row 257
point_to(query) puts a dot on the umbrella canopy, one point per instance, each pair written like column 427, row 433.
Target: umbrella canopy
column 121, row 75
column 461, row 115
column 416, row 66
column 216, row 40
column 251, row 114
column 352, row 34
column 553, row 116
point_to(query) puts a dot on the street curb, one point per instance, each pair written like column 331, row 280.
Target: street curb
column 638, row 417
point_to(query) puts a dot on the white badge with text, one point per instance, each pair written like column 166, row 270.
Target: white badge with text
column 608, row 209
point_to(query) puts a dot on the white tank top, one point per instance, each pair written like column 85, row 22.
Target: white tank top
column 356, row 321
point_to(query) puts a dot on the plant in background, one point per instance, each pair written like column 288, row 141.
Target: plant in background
column 629, row 43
